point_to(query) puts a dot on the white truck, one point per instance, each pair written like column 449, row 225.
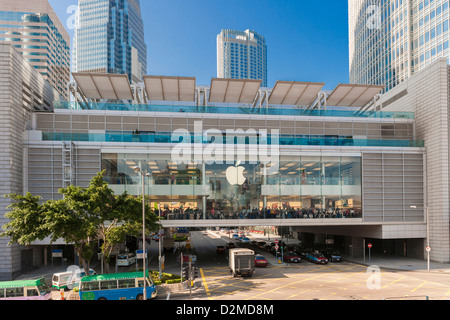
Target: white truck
column 242, row 262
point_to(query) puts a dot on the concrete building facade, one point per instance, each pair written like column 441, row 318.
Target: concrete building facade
column 23, row 92
column 427, row 95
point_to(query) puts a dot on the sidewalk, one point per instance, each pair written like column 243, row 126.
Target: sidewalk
column 402, row 264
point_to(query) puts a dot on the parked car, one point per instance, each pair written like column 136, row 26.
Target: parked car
column 220, row 249
column 304, row 252
column 260, row 244
column 292, row 257
column 230, row 245
column 260, row 261
column 126, row 259
column 317, row 258
column 235, row 236
column 245, row 240
column 333, row 255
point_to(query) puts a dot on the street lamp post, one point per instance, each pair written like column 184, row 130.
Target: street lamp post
column 138, row 170
column 428, row 249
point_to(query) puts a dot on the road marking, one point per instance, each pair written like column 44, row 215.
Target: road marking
column 205, row 284
column 278, row 288
column 392, row 282
column 414, row 290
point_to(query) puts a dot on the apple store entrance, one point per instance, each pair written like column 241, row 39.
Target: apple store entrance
column 296, row 187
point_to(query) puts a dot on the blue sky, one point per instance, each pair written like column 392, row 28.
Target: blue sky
column 306, row 40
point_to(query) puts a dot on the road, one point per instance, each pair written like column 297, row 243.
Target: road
column 306, row 281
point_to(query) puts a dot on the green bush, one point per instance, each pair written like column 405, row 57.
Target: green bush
column 165, row 277
column 173, row 281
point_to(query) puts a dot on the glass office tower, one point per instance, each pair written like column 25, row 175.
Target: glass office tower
column 109, row 38
column 390, row 40
column 33, row 29
column 242, row 55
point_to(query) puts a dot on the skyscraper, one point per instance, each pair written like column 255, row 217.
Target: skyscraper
column 390, row 40
column 109, row 38
column 33, row 29
column 242, row 55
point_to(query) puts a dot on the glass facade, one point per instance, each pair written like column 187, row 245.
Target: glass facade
column 298, row 187
column 65, row 105
column 390, row 40
column 109, row 38
column 242, row 55
column 37, row 37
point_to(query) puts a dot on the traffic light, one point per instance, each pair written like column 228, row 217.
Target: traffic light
column 185, row 273
column 194, row 274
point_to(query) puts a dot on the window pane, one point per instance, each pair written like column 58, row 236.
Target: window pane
column 32, row 293
column 108, row 285
column 14, row 292
column 127, row 283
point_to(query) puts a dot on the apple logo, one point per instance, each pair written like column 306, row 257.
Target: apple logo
column 235, row 175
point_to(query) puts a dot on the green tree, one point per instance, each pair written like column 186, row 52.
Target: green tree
column 26, row 219
column 117, row 216
column 69, row 219
column 81, row 217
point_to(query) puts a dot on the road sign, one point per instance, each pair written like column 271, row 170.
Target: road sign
column 276, row 240
column 140, row 254
column 369, row 245
column 57, row 253
column 276, row 247
column 428, row 249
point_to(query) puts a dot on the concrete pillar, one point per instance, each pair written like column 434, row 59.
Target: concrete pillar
column 355, row 247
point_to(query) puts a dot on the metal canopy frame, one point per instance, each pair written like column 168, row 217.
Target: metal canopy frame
column 295, row 93
column 234, row 90
column 353, row 95
column 165, row 88
column 103, row 86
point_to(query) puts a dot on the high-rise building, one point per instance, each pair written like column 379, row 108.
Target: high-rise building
column 109, row 38
column 391, row 40
column 34, row 30
column 242, row 55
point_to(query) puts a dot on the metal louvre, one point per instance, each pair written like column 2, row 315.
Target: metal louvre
column 233, row 90
column 104, row 86
column 162, row 88
column 353, row 95
column 295, row 93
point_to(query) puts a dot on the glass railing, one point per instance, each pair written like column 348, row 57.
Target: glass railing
column 231, row 110
column 263, row 214
column 282, row 140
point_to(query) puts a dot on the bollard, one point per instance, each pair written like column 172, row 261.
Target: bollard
column 62, row 293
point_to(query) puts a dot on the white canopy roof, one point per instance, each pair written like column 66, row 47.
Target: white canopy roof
column 233, row 90
column 353, row 95
column 164, row 88
column 104, row 86
column 295, row 93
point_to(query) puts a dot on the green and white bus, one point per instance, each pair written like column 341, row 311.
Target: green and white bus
column 25, row 290
column 117, row 286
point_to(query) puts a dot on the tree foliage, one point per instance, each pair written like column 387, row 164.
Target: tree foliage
column 81, row 217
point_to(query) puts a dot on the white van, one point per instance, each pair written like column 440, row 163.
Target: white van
column 69, row 279
column 126, row 259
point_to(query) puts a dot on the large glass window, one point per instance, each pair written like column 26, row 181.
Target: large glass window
column 329, row 186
